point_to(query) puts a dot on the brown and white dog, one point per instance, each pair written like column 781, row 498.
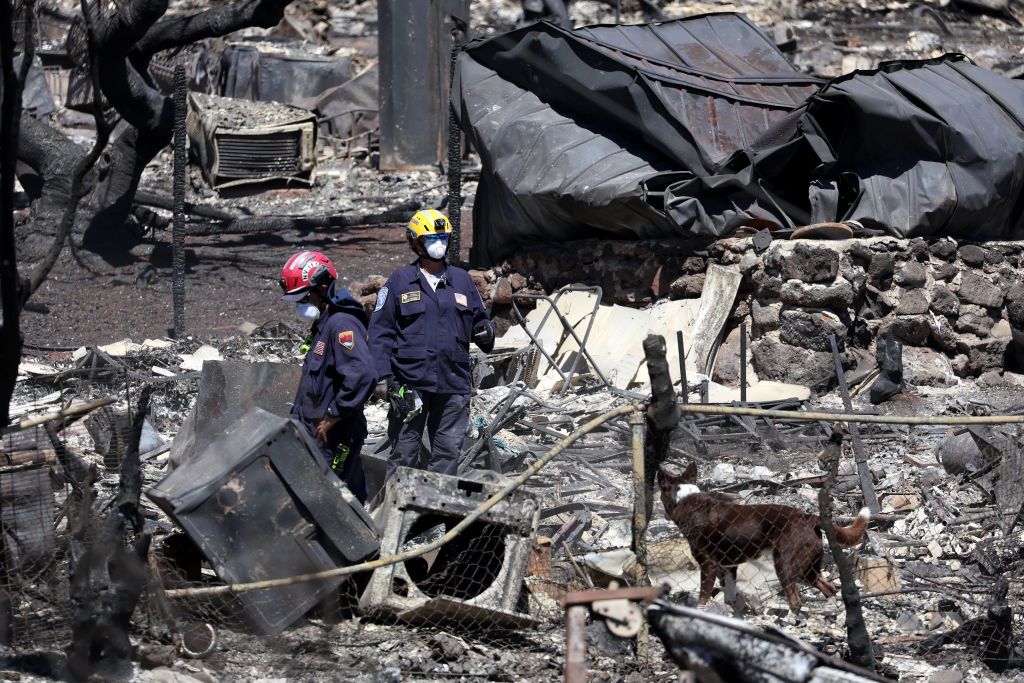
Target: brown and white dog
column 723, row 534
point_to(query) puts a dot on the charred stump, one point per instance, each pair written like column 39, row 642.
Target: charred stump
column 108, row 561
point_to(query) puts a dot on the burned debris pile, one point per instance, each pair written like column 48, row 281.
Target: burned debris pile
column 709, row 251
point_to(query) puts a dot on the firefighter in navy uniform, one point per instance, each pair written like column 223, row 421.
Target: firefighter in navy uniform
column 338, row 371
column 426, row 315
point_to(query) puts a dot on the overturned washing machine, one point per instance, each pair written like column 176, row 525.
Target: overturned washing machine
column 477, row 577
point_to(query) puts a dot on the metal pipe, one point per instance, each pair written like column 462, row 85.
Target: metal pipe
column 743, row 363
column 852, row 417
column 575, row 644
column 638, row 425
column 684, row 390
column 60, row 414
column 861, row 458
column 429, row 547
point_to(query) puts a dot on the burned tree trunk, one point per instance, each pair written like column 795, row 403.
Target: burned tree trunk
column 147, row 114
column 10, row 124
column 662, row 413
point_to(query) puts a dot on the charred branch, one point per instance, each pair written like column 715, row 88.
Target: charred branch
column 78, row 186
column 662, row 413
column 219, row 21
column 857, row 638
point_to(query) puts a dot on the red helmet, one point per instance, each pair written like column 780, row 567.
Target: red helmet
column 303, row 271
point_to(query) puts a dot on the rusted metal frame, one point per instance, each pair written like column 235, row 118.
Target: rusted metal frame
column 576, row 607
column 863, row 470
column 684, row 390
column 638, row 593
column 552, row 303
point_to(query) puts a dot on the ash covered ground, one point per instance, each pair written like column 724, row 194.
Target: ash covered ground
column 113, row 291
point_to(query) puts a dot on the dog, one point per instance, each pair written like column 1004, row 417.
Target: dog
column 722, row 534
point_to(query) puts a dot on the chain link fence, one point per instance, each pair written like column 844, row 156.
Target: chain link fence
column 938, row 569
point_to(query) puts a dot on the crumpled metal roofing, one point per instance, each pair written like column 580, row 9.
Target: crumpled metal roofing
column 577, row 129
column 699, row 126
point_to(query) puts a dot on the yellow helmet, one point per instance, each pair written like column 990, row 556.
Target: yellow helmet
column 428, row 222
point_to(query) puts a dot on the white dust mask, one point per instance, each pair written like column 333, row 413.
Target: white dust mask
column 306, row 311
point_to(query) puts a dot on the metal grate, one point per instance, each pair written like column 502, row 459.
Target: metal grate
column 254, row 156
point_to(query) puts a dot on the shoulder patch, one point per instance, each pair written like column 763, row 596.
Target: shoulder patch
column 320, row 348
column 382, row 297
column 409, row 297
column 460, row 299
column 347, row 339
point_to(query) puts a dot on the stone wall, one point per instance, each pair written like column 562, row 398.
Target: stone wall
column 957, row 308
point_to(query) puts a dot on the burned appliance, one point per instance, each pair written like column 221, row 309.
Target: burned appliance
column 238, row 142
column 478, row 575
column 285, row 72
column 260, row 502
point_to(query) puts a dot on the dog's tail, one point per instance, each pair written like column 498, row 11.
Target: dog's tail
column 850, row 535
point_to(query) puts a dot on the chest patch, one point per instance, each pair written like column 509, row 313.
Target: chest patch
column 320, row 348
column 409, row 297
column 347, row 339
column 460, row 299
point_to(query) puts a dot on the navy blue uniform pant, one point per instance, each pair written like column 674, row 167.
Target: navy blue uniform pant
column 445, row 417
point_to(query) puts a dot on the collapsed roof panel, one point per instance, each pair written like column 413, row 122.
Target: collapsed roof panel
column 700, row 126
column 548, row 108
column 913, row 149
column 724, row 44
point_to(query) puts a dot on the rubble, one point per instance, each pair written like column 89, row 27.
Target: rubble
column 946, row 533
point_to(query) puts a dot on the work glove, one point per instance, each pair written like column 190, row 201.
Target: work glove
column 483, row 335
column 380, row 392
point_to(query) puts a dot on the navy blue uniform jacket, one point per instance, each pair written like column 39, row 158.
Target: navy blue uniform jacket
column 421, row 336
column 338, row 372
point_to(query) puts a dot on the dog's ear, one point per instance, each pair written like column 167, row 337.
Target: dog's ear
column 690, row 474
column 669, row 476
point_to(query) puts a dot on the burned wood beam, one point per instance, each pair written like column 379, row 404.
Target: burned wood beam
column 857, row 638
column 159, row 201
column 264, row 224
column 662, row 413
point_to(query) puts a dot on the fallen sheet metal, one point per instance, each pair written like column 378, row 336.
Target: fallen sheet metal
column 580, row 131
column 477, row 576
column 239, row 142
column 227, row 389
column 700, row 126
column 287, row 72
column 260, row 502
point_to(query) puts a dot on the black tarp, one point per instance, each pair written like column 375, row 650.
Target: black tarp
column 700, row 126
